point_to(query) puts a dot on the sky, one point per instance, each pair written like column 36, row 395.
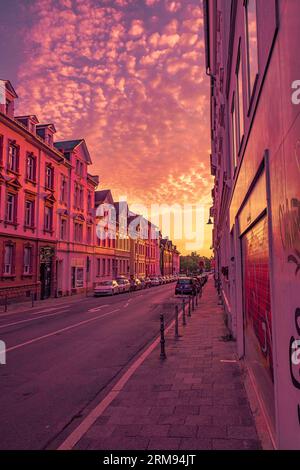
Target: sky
column 128, row 76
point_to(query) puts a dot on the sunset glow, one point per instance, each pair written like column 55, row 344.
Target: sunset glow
column 128, row 77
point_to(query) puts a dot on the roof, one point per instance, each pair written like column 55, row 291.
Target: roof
column 102, row 195
column 67, row 144
column 49, row 124
column 31, row 116
column 9, row 87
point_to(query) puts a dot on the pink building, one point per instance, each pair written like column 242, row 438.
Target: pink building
column 28, row 165
column 75, row 225
column 252, row 58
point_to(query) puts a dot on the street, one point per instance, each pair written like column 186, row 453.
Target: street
column 62, row 359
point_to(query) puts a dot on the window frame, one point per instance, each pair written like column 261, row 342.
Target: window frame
column 251, row 88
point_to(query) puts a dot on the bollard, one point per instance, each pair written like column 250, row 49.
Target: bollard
column 162, row 338
column 5, row 305
column 189, row 312
column 183, row 313
column 32, row 299
column 176, row 322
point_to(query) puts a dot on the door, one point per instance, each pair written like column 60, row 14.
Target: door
column 45, row 278
column 257, row 311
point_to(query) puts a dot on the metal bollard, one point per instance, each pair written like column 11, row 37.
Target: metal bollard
column 189, row 312
column 176, row 322
column 183, row 313
column 6, row 302
column 162, row 338
column 32, row 299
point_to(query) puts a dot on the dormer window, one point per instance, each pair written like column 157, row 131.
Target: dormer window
column 7, row 107
column 49, row 139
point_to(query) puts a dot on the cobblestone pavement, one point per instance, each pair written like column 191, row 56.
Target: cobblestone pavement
column 193, row 400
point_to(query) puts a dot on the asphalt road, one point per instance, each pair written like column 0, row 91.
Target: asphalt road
column 62, row 360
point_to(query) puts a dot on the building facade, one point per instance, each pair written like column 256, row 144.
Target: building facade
column 50, row 212
column 253, row 65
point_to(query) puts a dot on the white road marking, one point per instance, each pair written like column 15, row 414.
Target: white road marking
column 46, row 310
column 67, row 328
column 33, row 319
column 97, row 308
column 127, row 303
column 85, row 425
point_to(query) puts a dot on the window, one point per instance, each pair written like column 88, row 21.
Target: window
column 8, row 265
column 103, row 267
column 29, row 213
column 239, row 98
column 78, row 232
column 89, row 235
column 13, row 158
column 233, row 134
column 7, row 107
column 63, row 189
column 63, row 229
column 48, row 218
column 49, row 177
column 31, row 168
column 81, row 198
column 251, row 44
column 89, row 201
column 98, row 267
column 108, row 267
column 27, row 269
column 11, row 208
column 1, row 150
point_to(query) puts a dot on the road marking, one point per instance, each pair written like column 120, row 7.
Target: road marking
column 85, row 425
column 33, row 319
column 127, row 303
column 97, row 308
column 46, row 310
column 67, row 328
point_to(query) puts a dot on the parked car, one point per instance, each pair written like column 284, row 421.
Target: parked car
column 155, row 281
column 106, row 288
column 186, row 286
column 161, row 280
column 135, row 284
column 147, row 281
column 124, row 284
column 143, row 283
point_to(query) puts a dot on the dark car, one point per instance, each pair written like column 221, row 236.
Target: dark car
column 147, row 281
column 186, row 286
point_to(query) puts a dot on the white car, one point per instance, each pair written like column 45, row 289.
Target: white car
column 106, row 288
column 155, row 281
column 124, row 284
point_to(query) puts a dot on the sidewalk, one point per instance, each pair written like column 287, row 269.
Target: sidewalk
column 192, row 400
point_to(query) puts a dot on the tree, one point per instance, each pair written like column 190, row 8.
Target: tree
column 194, row 263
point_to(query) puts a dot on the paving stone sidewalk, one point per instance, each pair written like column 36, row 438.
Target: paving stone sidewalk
column 193, row 400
